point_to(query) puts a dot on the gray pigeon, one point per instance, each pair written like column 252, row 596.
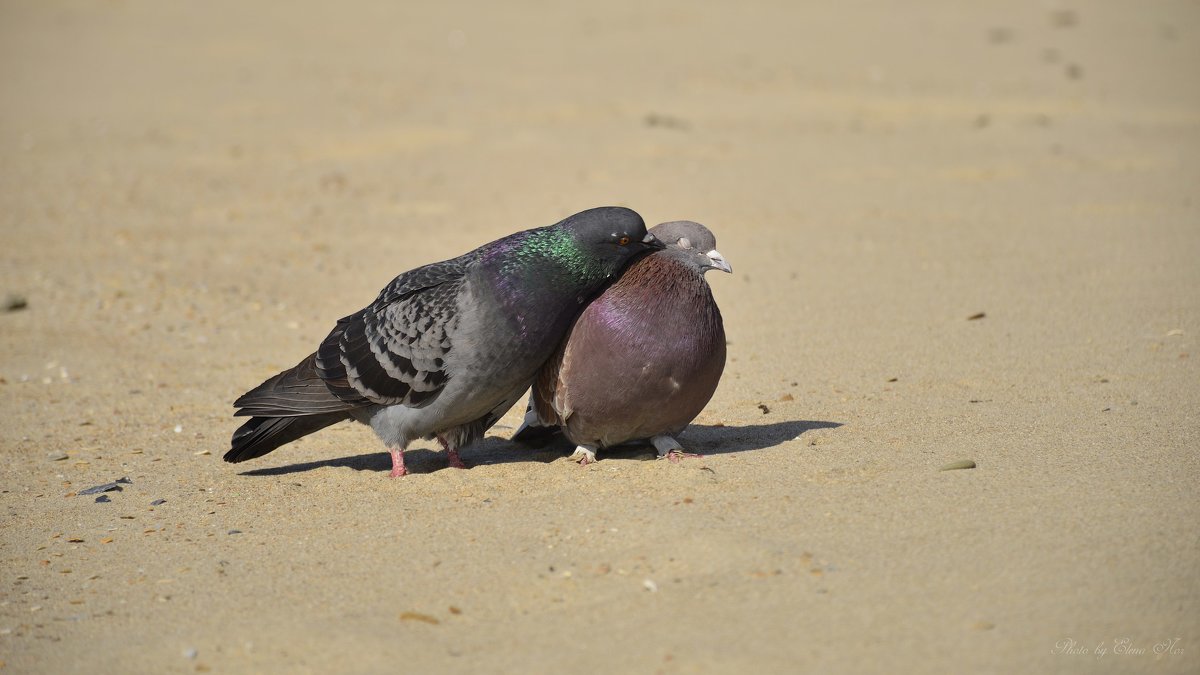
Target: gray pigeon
column 644, row 358
column 446, row 348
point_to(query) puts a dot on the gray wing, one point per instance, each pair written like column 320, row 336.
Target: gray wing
column 295, row 392
column 394, row 350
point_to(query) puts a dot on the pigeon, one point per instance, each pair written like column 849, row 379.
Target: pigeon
column 447, row 348
column 643, row 359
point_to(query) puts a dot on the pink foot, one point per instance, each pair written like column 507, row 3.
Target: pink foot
column 451, row 455
column 397, row 463
column 584, row 454
column 675, row 456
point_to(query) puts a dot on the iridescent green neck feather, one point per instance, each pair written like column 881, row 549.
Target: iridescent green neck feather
column 553, row 251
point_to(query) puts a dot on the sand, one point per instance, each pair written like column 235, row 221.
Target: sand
column 192, row 193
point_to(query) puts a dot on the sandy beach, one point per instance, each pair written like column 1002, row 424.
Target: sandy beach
column 958, row 232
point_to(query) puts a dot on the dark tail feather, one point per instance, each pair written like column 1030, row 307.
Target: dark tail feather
column 535, row 436
column 533, row 431
column 261, row 435
column 292, row 404
column 297, row 391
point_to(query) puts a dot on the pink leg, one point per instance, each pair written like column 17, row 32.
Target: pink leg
column 451, row 454
column 397, row 462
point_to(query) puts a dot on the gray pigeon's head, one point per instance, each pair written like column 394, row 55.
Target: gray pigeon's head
column 612, row 235
column 691, row 243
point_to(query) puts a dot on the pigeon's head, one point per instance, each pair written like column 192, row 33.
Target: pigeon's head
column 691, row 243
column 610, row 235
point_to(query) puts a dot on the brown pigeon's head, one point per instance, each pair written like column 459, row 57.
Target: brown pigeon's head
column 692, row 243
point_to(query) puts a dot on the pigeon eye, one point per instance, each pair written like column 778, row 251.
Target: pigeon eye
column 623, row 241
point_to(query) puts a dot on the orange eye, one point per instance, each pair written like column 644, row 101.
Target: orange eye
column 623, row 241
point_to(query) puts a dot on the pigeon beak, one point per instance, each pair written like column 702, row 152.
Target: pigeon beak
column 652, row 241
column 718, row 261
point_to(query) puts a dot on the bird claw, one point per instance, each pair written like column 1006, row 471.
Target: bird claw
column 584, row 455
column 676, row 456
column 669, row 448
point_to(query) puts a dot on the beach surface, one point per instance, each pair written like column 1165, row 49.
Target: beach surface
column 959, row 232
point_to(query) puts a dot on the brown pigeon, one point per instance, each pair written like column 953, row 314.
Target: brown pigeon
column 644, row 357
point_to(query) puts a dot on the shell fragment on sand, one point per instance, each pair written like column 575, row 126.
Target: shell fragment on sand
column 960, row 464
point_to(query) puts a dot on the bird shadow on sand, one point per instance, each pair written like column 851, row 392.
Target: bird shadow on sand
column 708, row 440
column 700, row 438
column 722, row 440
column 416, row 460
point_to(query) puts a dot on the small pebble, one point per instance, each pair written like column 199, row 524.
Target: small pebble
column 57, row 456
column 158, row 502
column 190, row 653
column 649, row 585
column 1063, row 18
column 419, row 616
column 107, row 487
column 234, row 532
column 14, row 302
column 102, row 499
column 960, row 464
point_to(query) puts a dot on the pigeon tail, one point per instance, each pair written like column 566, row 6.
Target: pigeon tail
column 289, row 405
column 261, row 435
